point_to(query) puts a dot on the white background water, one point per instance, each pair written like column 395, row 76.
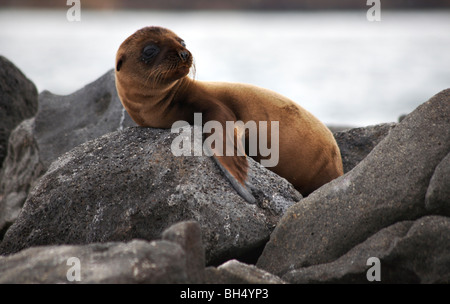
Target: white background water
column 339, row 66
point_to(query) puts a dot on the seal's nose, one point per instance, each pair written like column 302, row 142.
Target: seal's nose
column 184, row 55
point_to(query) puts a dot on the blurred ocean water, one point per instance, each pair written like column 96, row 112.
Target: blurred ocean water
column 339, row 66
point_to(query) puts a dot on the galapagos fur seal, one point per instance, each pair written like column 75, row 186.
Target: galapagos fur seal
column 151, row 69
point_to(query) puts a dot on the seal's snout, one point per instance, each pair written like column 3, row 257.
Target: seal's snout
column 184, row 55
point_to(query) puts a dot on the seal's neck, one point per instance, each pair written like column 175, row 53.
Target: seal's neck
column 168, row 93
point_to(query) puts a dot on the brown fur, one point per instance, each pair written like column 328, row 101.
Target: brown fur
column 158, row 92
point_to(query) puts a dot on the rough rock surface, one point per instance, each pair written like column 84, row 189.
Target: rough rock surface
column 137, row 261
column 18, row 101
column 21, row 169
column 437, row 199
column 128, row 184
column 235, row 272
column 409, row 252
column 388, row 186
column 76, row 118
column 188, row 235
column 62, row 122
column 355, row 144
column 111, row 263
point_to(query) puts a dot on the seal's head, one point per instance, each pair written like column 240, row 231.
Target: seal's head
column 153, row 56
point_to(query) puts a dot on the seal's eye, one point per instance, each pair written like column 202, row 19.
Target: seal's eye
column 149, row 52
column 183, row 44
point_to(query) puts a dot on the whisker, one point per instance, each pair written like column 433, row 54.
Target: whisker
column 193, row 70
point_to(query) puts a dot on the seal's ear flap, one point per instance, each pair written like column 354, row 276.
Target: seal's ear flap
column 119, row 63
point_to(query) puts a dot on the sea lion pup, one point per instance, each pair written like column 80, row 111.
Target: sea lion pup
column 152, row 83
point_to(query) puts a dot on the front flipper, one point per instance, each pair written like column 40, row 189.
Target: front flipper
column 240, row 187
column 231, row 157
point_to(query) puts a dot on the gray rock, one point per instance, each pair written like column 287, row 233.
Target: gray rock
column 62, row 122
column 409, row 252
column 388, row 186
column 235, row 272
column 339, row 128
column 189, row 236
column 21, row 169
column 437, row 199
column 128, row 184
column 355, row 144
column 18, row 101
column 401, row 117
column 110, row 263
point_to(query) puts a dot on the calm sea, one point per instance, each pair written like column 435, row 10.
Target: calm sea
column 339, row 66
